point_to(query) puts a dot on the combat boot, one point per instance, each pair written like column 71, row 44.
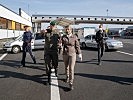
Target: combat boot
column 49, row 79
column 71, row 86
column 34, row 60
column 56, row 72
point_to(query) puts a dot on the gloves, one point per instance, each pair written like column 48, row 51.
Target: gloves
column 80, row 57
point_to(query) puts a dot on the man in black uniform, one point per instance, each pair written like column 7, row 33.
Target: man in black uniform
column 100, row 39
column 51, row 47
column 27, row 37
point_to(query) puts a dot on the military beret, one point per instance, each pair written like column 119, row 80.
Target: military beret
column 53, row 23
column 26, row 26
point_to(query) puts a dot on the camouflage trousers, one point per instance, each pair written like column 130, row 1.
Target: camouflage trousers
column 51, row 61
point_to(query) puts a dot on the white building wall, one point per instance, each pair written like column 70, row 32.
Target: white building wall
column 9, row 33
column 6, row 13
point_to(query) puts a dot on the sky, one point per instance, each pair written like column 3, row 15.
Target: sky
column 118, row 8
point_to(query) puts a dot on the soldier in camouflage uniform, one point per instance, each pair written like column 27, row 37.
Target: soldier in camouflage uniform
column 52, row 39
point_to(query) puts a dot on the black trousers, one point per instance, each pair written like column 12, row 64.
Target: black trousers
column 101, row 49
column 27, row 48
column 51, row 61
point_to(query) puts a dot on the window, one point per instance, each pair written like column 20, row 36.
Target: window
column 9, row 24
column 17, row 26
column 93, row 37
column 39, row 36
column 22, row 27
column 88, row 37
column 3, row 23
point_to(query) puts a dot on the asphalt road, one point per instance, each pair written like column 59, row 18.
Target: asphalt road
column 113, row 80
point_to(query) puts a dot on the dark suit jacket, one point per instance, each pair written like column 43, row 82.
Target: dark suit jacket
column 100, row 35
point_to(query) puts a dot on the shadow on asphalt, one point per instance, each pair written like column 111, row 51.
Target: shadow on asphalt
column 16, row 64
column 2, row 52
column 95, row 49
column 122, row 61
column 66, row 89
column 35, row 78
column 89, row 49
column 117, row 79
column 92, row 61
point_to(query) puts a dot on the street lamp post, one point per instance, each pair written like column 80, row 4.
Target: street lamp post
column 107, row 24
column 107, row 12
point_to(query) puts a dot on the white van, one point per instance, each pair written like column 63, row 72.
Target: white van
column 15, row 46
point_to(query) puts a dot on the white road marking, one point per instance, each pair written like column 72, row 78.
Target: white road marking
column 125, row 53
column 55, row 95
column 3, row 56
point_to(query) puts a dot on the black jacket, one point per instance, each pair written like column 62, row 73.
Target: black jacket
column 100, row 35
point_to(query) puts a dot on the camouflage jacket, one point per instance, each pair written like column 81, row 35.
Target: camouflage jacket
column 51, row 42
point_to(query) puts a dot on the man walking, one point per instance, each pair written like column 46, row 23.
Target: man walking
column 27, row 37
column 51, row 45
column 100, row 39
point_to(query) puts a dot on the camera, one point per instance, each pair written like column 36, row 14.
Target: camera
column 49, row 31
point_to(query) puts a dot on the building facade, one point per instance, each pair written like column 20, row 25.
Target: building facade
column 11, row 23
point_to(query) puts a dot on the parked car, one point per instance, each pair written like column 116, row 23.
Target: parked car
column 89, row 41
column 15, row 46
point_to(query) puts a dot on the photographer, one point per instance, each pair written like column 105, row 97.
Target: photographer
column 100, row 39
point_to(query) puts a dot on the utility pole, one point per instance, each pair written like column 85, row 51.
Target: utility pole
column 107, row 18
column 107, row 12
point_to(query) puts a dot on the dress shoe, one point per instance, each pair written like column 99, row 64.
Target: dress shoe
column 48, row 83
column 34, row 61
column 56, row 74
column 99, row 63
column 21, row 66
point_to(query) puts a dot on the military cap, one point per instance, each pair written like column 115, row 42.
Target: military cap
column 26, row 26
column 53, row 23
